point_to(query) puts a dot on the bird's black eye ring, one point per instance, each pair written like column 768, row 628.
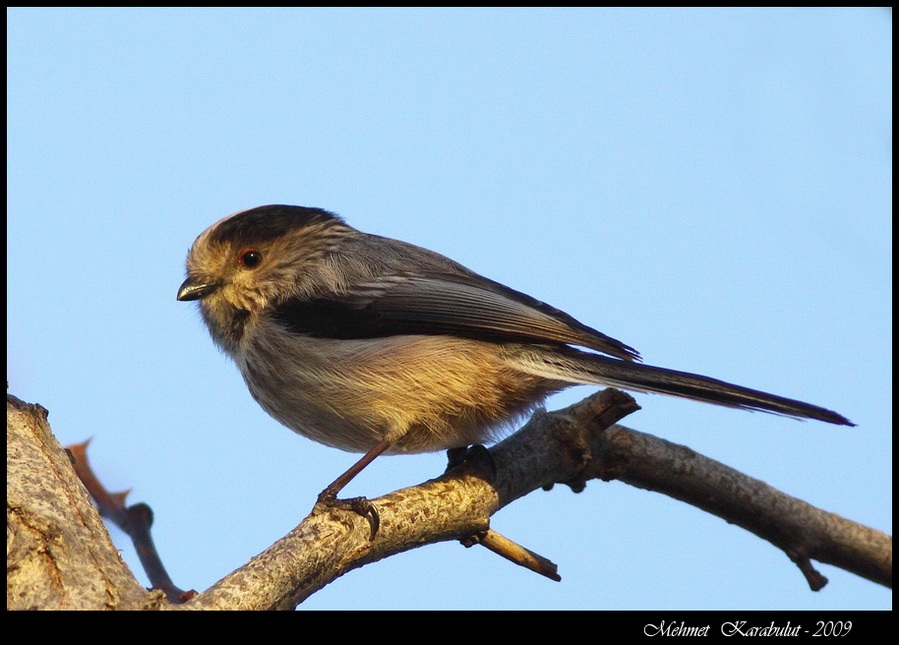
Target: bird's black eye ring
column 250, row 259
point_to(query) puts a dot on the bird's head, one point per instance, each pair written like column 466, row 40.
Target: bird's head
column 253, row 260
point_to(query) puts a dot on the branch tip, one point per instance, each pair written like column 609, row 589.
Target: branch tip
column 816, row 581
column 515, row 553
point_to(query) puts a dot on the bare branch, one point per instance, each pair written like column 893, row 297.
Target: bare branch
column 134, row 520
column 801, row 530
column 59, row 554
column 516, row 553
column 570, row 446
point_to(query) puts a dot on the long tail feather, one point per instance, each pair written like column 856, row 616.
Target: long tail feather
column 580, row 367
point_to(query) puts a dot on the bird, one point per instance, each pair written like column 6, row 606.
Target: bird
column 377, row 346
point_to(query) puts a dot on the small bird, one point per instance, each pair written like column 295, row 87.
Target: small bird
column 373, row 345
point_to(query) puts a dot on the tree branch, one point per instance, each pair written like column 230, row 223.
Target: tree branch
column 570, row 446
column 802, row 531
column 135, row 521
column 59, row 554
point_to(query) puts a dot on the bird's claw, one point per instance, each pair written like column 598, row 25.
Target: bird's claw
column 359, row 505
column 477, row 454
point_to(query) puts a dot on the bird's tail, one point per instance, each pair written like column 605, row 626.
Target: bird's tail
column 575, row 366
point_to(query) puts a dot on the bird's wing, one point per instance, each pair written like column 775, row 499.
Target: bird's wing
column 453, row 303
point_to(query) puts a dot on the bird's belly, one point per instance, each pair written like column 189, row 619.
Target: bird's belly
column 425, row 393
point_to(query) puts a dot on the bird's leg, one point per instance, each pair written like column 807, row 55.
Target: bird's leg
column 359, row 505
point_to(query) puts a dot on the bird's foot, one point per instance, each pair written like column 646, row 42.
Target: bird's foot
column 477, row 455
column 327, row 499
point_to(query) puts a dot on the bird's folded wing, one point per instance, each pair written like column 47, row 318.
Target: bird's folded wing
column 441, row 304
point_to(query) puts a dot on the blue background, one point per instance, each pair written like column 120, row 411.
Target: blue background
column 713, row 187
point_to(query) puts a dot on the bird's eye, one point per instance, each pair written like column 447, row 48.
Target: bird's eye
column 250, row 258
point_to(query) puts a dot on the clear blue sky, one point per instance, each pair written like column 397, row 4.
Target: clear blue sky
column 713, row 187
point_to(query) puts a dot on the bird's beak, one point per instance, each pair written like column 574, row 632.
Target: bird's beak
column 191, row 289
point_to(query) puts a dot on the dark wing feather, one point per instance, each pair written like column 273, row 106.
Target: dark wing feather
column 451, row 303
